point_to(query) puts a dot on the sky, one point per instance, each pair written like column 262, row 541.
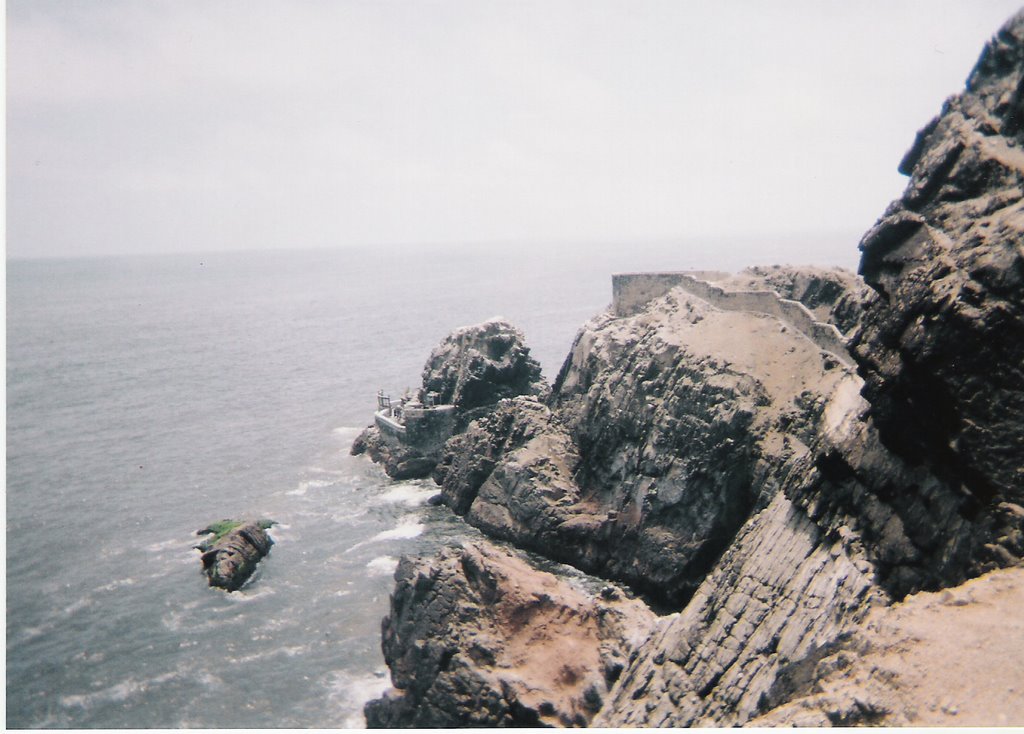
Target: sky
column 145, row 126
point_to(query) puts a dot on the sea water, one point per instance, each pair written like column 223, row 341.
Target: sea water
column 149, row 396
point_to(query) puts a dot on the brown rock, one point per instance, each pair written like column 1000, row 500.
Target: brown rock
column 478, row 637
column 230, row 557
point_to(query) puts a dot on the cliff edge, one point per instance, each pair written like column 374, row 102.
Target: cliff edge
column 784, row 464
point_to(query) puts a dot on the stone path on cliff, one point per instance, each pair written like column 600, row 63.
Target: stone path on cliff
column 633, row 290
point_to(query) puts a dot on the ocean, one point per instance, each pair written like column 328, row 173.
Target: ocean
column 148, row 396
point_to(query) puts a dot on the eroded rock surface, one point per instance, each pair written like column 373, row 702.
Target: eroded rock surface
column 230, row 556
column 476, row 366
column 893, row 490
column 665, row 431
column 783, row 592
column 942, row 346
column 399, row 461
column 947, row 658
column 478, row 637
column 472, row 369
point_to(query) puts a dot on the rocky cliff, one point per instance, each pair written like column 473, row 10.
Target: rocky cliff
column 664, row 432
column 769, row 501
column 942, row 345
column 471, row 370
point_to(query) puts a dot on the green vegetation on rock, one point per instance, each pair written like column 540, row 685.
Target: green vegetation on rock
column 221, row 528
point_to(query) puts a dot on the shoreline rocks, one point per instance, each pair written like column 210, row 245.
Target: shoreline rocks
column 665, row 430
column 469, row 372
column 478, row 637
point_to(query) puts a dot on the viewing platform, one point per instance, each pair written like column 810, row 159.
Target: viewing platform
column 424, row 425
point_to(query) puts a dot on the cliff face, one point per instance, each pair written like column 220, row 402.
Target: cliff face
column 942, row 346
column 668, row 434
column 704, row 449
column 664, row 432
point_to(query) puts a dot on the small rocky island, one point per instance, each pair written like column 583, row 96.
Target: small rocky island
column 803, row 488
column 234, row 549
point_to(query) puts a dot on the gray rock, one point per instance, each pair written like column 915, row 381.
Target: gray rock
column 941, row 348
column 473, row 369
column 657, row 444
column 399, row 461
column 476, row 366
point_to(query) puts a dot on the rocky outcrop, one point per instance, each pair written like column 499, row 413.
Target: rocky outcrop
column 478, row 637
column 942, row 345
column 230, row 556
column 474, row 368
column 877, row 493
column 782, row 594
column 665, row 431
column 701, row 448
column 399, row 460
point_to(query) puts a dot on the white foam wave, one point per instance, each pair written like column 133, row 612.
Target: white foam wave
column 347, row 516
column 309, row 484
column 408, row 527
column 348, row 692
column 409, row 494
column 246, row 594
column 289, row 651
column 31, row 633
column 347, row 432
column 165, row 545
column 329, row 472
column 382, row 566
column 117, row 693
column 78, row 604
column 118, row 583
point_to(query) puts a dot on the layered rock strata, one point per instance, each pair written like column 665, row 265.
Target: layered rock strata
column 905, row 666
column 942, row 345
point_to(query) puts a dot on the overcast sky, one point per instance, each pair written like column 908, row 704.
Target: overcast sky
column 146, row 126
